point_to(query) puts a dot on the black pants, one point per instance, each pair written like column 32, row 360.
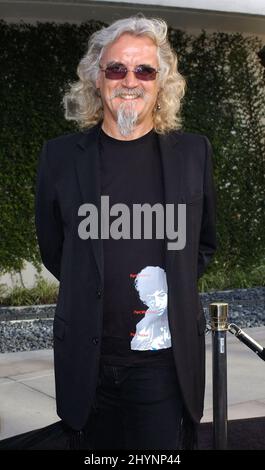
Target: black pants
column 136, row 408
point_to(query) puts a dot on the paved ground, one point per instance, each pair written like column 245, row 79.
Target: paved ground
column 27, row 386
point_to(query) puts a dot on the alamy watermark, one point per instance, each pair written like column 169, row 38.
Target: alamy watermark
column 121, row 226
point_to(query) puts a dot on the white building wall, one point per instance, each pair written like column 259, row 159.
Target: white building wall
column 28, row 277
column 253, row 7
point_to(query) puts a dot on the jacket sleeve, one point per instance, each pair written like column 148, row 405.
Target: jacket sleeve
column 48, row 222
column 207, row 243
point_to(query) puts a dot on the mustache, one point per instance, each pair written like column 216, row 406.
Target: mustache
column 136, row 92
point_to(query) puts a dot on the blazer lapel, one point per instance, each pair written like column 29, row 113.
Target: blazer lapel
column 88, row 171
column 172, row 169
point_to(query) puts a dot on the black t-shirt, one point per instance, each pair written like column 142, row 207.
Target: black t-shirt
column 135, row 320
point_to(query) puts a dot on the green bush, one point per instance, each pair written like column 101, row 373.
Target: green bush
column 232, row 278
column 43, row 292
column 225, row 100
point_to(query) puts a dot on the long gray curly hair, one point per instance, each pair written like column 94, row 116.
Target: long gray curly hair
column 82, row 102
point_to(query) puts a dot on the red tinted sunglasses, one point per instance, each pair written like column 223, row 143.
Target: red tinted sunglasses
column 119, row 71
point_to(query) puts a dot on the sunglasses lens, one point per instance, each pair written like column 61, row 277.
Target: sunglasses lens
column 145, row 73
column 142, row 72
column 115, row 73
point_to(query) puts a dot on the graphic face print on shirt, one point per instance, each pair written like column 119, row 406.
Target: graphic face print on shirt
column 152, row 332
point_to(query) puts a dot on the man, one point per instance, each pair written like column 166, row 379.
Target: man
column 152, row 332
column 130, row 149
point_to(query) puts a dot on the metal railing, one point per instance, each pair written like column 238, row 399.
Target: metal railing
column 219, row 326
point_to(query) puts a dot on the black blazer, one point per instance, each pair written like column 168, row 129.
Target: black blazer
column 68, row 175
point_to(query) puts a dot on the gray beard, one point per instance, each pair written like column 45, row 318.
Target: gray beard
column 126, row 118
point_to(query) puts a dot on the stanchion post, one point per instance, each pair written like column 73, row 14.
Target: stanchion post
column 219, row 326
